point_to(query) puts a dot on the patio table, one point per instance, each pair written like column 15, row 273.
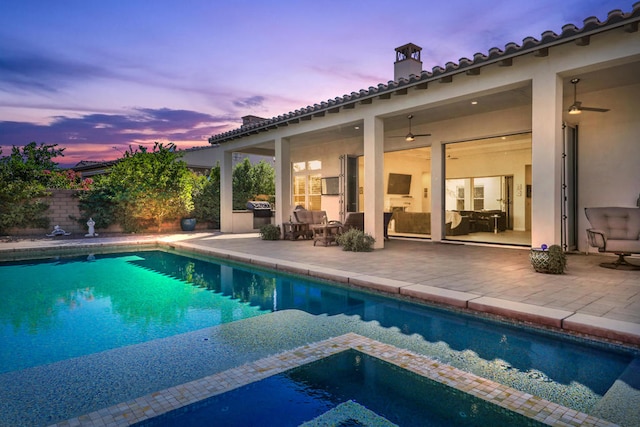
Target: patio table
column 325, row 233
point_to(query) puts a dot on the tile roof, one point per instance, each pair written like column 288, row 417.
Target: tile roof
column 570, row 33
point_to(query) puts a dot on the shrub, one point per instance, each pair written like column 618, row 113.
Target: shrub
column 356, row 240
column 207, row 201
column 23, row 179
column 270, row 232
column 142, row 190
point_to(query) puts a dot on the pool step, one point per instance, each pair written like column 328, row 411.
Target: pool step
column 621, row 404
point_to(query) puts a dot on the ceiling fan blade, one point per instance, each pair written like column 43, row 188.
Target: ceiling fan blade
column 577, row 107
column 599, row 110
column 422, row 134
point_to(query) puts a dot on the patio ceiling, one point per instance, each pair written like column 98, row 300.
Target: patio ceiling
column 396, row 124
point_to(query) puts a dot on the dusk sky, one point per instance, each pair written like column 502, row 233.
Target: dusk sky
column 97, row 76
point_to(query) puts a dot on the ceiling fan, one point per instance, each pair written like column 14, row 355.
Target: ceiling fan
column 410, row 137
column 576, row 107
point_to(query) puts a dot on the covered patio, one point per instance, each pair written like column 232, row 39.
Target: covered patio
column 493, row 139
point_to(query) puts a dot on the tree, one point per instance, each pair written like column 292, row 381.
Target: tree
column 264, row 179
column 23, row 182
column 143, row 189
column 243, row 184
column 207, row 201
column 249, row 181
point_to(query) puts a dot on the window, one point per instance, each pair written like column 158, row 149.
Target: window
column 314, row 165
column 299, row 167
column 460, row 198
column 307, row 189
column 478, row 197
column 300, row 191
column 315, row 192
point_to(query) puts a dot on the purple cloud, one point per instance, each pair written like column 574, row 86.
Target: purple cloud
column 250, row 102
column 141, row 126
column 35, row 72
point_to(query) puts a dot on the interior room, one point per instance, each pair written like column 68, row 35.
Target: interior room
column 487, row 190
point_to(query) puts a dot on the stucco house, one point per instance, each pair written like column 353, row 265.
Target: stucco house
column 505, row 147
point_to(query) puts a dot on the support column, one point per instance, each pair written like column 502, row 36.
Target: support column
column 284, row 206
column 546, row 159
column 437, row 191
column 374, row 179
column 226, row 193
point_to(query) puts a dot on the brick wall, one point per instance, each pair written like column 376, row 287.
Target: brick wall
column 62, row 206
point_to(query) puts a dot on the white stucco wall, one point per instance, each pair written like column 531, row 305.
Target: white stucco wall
column 608, row 153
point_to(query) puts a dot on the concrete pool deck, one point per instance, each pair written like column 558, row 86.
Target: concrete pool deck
column 587, row 299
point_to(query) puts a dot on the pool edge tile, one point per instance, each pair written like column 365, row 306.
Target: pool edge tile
column 618, row 330
column 520, row 311
column 439, row 295
column 377, row 283
column 164, row 401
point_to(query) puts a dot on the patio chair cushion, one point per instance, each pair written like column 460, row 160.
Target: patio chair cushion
column 615, row 229
column 310, row 217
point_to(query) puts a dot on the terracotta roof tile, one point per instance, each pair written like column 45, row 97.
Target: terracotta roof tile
column 591, row 25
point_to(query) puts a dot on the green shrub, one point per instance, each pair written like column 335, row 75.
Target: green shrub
column 24, row 175
column 207, row 201
column 356, row 241
column 270, row 232
column 142, row 190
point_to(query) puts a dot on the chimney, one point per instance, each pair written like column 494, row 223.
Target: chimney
column 407, row 61
column 250, row 120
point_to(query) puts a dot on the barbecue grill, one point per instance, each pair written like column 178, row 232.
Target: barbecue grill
column 262, row 212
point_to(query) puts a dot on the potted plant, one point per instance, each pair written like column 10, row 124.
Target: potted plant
column 191, row 186
column 550, row 259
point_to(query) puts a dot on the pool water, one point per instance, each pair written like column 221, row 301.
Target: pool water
column 56, row 310
column 364, row 389
column 59, row 309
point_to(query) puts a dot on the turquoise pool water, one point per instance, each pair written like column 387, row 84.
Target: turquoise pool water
column 153, row 305
column 56, row 310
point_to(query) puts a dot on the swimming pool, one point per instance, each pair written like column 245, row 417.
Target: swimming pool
column 571, row 372
column 348, row 388
column 63, row 308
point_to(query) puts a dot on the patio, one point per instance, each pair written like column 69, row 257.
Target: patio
column 495, row 280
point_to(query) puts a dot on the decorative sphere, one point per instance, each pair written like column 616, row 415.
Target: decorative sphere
column 544, row 247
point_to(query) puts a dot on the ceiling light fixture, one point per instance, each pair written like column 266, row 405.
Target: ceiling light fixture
column 474, row 102
column 574, row 110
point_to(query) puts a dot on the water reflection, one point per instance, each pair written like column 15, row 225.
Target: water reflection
column 159, row 294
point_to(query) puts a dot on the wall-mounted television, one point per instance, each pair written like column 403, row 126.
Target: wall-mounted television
column 399, row 184
column 331, row 186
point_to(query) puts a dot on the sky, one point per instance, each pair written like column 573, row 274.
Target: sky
column 96, row 77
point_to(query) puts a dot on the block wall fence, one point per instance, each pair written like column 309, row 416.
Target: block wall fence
column 63, row 208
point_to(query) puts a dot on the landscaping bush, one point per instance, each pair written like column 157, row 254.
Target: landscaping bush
column 142, row 190
column 270, row 232
column 207, row 200
column 24, row 175
column 356, row 241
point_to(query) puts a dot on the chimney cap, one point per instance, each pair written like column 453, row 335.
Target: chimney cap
column 408, row 51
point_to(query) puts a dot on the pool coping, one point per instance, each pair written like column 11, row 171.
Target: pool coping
column 583, row 325
column 161, row 402
column 626, row 333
